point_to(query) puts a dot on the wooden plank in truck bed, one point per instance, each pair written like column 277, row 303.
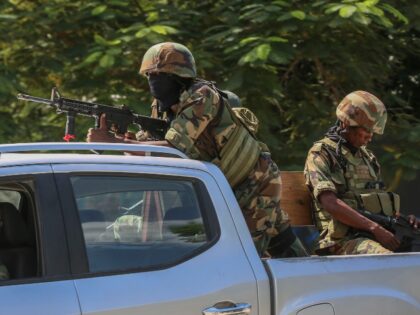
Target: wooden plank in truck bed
column 295, row 198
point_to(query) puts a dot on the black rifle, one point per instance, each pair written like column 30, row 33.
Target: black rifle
column 400, row 226
column 118, row 118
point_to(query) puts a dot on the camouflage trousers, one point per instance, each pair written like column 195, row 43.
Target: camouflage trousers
column 259, row 199
column 4, row 274
column 359, row 246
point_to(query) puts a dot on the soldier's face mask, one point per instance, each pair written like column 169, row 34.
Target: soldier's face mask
column 165, row 88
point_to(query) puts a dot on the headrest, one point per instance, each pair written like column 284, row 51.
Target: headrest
column 182, row 213
column 91, row 215
column 13, row 229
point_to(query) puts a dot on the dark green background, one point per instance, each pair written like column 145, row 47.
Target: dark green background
column 290, row 61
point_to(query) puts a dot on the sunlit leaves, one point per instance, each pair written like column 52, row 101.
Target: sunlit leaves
column 107, row 61
column 103, row 42
column 93, row 57
column 289, row 61
column 276, row 39
column 259, row 52
column 8, row 17
column 395, row 13
column 163, row 29
column 158, row 29
column 362, row 18
column 364, row 12
column 99, row 9
column 334, row 8
column 300, row 15
column 347, row 11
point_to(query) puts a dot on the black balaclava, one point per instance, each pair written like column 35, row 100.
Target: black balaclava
column 166, row 88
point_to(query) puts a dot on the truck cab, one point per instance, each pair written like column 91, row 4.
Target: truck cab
column 112, row 233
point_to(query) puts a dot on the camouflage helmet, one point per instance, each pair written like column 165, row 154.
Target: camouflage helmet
column 363, row 109
column 169, row 58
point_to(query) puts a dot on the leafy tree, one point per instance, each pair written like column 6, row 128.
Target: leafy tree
column 290, row 61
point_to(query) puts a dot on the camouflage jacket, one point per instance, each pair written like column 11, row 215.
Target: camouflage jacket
column 198, row 108
column 258, row 194
column 324, row 173
column 206, row 128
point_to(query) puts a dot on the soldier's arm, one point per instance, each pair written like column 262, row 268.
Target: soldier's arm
column 196, row 114
column 319, row 173
column 102, row 135
column 342, row 212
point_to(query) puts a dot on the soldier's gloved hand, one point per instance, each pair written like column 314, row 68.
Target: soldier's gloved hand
column 385, row 238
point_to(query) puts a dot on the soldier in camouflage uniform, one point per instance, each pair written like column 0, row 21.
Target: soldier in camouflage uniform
column 343, row 175
column 205, row 127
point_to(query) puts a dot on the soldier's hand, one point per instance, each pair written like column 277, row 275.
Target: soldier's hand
column 385, row 238
column 101, row 134
column 130, row 135
column 413, row 221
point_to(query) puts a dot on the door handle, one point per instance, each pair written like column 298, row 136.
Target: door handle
column 228, row 308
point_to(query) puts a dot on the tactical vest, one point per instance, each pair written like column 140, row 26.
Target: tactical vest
column 239, row 154
column 357, row 179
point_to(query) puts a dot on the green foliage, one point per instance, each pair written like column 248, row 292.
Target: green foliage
column 290, row 61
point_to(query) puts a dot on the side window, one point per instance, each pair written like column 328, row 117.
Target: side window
column 12, row 197
column 18, row 250
column 139, row 222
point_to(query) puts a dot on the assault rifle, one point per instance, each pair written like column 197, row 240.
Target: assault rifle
column 400, row 226
column 118, row 118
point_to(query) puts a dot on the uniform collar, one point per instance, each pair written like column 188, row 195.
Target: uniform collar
column 354, row 159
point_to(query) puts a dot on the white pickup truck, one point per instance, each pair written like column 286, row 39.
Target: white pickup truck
column 162, row 234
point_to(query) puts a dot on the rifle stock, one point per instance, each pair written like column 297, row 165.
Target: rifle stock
column 118, row 118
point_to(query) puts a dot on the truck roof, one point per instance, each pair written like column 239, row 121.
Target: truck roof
column 47, row 153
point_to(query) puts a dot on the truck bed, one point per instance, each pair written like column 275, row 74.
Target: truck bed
column 346, row 285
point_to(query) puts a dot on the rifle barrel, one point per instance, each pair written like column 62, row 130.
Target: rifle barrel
column 26, row 97
column 117, row 116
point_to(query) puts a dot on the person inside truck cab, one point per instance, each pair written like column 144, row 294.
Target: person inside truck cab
column 205, row 127
column 4, row 273
column 343, row 176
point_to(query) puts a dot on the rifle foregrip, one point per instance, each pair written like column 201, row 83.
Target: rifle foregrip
column 70, row 124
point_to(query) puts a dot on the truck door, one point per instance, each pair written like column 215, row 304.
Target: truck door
column 34, row 261
column 153, row 240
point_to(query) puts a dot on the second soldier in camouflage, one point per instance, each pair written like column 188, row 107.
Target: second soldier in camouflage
column 343, row 175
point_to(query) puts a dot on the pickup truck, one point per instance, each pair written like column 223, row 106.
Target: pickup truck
column 88, row 233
